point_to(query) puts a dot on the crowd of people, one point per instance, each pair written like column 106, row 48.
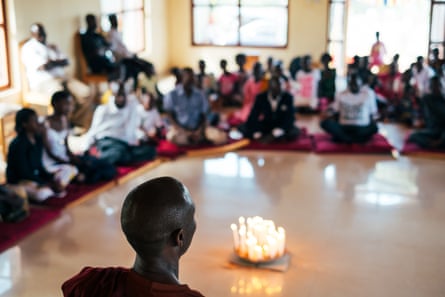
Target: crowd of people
column 127, row 128
column 262, row 104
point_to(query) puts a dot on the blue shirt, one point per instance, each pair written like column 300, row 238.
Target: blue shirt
column 187, row 110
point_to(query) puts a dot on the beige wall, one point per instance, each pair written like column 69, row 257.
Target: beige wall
column 62, row 18
column 168, row 32
column 307, row 35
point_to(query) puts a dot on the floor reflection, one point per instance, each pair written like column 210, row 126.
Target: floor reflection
column 231, row 165
column 390, row 183
column 272, row 285
column 10, row 269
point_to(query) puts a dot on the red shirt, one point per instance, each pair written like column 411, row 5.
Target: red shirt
column 227, row 83
column 120, row 282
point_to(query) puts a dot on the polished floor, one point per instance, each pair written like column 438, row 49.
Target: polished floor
column 355, row 225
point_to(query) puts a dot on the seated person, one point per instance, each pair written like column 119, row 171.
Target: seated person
column 284, row 79
column 433, row 136
column 57, row 153
column 187, row 109
column 133, row 64
column 255, row 85
column 160, row 230
column 45, row 71
column 96, row 50
column 243, row 76
column 307, row 79
column 422, row 73
column 151, row 126
column 148, row 82
column 272, row 116
column 326, row 84
column 357, row 109
column 114, row 130
column 24, row 160
column 227, row 87
column 205, row 81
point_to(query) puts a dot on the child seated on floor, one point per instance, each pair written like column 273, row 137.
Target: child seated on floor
column 148, row 81
column 272, row 117
column 150, row 130
column 24, row 160
column 357, row 109
column 57, row 154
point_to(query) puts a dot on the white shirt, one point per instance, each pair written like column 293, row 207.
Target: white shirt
column 355, row 109
column 119, row 123
column 308, row 85
column 422, row 79
column 34, row 55
column 118, row 47
column 150, row 119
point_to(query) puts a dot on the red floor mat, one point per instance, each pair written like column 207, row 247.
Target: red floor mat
column 11, row 233
column 377, row 145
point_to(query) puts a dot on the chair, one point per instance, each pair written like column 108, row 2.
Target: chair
column 36, row 100
column 84, row 72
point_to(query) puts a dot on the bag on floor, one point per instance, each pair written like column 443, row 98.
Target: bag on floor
column 14, row 205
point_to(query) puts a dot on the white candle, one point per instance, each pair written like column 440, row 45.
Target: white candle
column 258, row 240
column 235, row 236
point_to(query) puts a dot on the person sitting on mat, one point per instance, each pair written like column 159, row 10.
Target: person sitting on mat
column 356, row 108
column 272, row 116
column 57, row 154
column 114, row 130
column 158, row 220
column 187, row 111
column 433, row 136
column 25, row 165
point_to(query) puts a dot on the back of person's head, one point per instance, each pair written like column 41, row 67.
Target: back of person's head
column 157, row 214
column 59, row 96
column 22, row 117
column 223, row 63
column 112, row 18
column 325, row 58
column 90, row 19
column 240, row 59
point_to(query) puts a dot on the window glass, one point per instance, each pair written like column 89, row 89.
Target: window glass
column 240, row 22
column 263, row 26
column 216, row 26
column 4, row 71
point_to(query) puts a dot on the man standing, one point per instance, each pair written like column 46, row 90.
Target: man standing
column 160, row 230
column 45, row 71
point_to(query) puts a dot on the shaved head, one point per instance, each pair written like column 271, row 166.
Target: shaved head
column 155, row 212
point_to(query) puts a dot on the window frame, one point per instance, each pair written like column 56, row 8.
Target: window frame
column 239, row 45
column 121, row 12
column 4, row 26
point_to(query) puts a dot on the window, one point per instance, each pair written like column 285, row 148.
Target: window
column 257, row 23
column 4, row 61
column 404, row 27
column 130, row 14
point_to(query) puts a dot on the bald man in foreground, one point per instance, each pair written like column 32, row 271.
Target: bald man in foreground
column 158, row 220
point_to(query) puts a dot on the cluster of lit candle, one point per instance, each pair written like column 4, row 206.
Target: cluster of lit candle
column 257, row 240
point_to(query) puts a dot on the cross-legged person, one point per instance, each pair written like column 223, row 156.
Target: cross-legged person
column 272, row 116
column 187, row 110
column 114, row 130
column 356, row 109
column 433, row 136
